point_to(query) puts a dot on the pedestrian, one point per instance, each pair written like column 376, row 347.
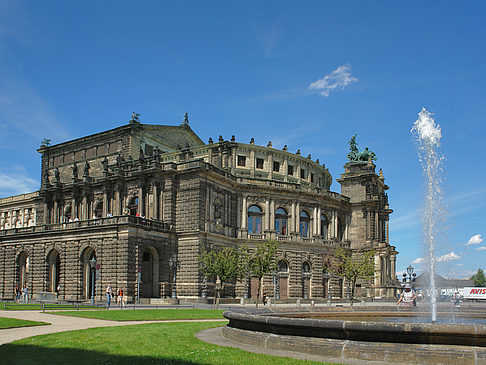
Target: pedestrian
column 26, row 294
column 108, row 297
column 120, row 297
column 407, row 298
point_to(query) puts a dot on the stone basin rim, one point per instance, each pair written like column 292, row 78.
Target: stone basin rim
column 375, row 331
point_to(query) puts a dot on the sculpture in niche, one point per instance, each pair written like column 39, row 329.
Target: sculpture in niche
column 86, row 169
column 56, row 175
column 105, row 164
column 75, row 171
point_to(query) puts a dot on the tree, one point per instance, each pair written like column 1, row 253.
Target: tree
column 479, row 278
column 360, row 265
column 223, row 264
column 261, row 262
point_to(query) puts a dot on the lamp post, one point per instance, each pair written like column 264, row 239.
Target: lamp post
column 174, row 264
column 92, row 264
column 409, row 276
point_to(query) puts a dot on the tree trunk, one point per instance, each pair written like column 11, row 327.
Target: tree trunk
column 353, row 285
column 258, row 292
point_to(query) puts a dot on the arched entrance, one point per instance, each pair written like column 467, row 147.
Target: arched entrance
column 283, row 279
column 23, row 269
column 87, row 280
column 150, row 273
column 53, row 271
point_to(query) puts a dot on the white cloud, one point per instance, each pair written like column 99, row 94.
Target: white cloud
column 418, row 260
column 338, row 79
column 451, row 256
column 16, row 181
column 475, row 240
column 481, row 248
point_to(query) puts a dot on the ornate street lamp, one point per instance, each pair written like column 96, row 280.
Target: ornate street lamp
column 409, row 276
column 92, row 264
column 174, row 264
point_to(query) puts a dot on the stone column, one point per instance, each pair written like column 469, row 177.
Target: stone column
column 266, row 225
column 377, row 226
column 346, row 226
column 314, row 229
column 393, row 268
column 319, row 215
column 292, row 220
column 45, row 219
column 377, row 271
column 297, row 218
column 55, row 213
column 140, row 201
column 105, row 203
column 244, row 212
column 117, row 202
column 155, row 203
column 238, row 213
column 272, row 215
column 368, row 224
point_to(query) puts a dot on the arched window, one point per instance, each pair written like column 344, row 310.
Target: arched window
column 306, row 267
column 304, row 223
column 255, row 219
column 282, row 266
column 133, row 206
column 281, row 222
column 324, row 226
column 54, row 271
column 99, row 210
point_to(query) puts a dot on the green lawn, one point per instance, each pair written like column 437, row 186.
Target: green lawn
column 153, row 343
column 13, row 322
column 146, row 314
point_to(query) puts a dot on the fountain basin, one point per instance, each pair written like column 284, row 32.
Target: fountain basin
column 351, row 338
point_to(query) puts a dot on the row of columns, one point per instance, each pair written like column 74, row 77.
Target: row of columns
column 377, row 226
column 294, row 218
column 151, row 205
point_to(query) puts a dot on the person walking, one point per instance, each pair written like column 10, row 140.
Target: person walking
column 120, row 296
column 26, row 294
column 108, row 297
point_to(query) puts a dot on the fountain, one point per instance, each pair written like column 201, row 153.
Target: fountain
column 386, row 334
column 428, row 136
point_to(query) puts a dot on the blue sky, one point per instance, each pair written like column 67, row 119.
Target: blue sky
column 68, row 69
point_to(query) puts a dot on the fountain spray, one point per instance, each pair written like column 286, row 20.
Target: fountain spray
column 428, row 135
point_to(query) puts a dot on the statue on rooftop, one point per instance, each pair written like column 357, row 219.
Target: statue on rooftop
column 186, row 119
column 135, row 118
column 355, row 155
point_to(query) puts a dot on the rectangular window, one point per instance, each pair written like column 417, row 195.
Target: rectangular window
column 259, row 163
column 276, row 166
column 312, row 177
column 241, row 160
column 302, row 173
column 290, row 170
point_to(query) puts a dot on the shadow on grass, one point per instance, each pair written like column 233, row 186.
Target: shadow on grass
column 27, row 354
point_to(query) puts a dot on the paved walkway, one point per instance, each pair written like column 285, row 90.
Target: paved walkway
column 63, row 323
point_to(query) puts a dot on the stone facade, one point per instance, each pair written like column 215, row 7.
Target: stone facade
column 135, row 196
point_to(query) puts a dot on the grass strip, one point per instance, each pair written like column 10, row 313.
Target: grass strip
column 146, row 314
column 14, row 322
column 153, row 343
